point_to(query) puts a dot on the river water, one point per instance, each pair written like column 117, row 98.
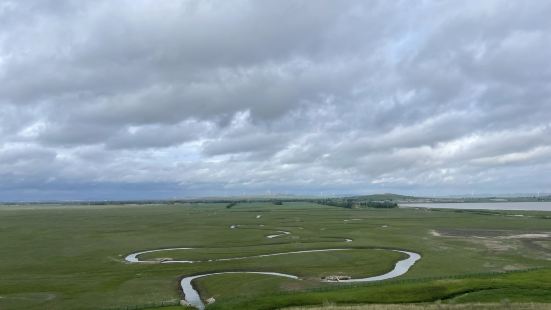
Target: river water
column 194, row 299
column 505, row 206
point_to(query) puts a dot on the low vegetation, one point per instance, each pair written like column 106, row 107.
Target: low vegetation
column 504, row 305
column 71, row 256
column 529, row 286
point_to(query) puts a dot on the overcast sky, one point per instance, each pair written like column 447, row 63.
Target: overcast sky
column 163, row 98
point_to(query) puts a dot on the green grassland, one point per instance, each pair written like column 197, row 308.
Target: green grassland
column 72, row 257
column 434, row 306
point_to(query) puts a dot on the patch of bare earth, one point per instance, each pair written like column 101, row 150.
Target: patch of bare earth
column 434, row 306
column 532, row 243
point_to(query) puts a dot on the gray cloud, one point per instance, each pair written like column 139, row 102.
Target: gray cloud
column 177, row 98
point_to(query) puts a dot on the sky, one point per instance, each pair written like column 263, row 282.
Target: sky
column 166, row 99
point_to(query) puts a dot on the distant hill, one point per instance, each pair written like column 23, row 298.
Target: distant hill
column 388, row 197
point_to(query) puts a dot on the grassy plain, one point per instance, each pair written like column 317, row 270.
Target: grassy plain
column 71, row 257
column 434, row 306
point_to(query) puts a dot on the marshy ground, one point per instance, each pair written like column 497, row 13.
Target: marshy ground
column 72, row 257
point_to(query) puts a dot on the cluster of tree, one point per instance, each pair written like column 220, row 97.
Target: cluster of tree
column 378, row 204
column 341, row 203
column 350, row 203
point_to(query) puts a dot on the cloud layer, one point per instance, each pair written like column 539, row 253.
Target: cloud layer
column 161, row 99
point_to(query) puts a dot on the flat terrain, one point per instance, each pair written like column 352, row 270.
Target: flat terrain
column 72, row 257
column 435, row 306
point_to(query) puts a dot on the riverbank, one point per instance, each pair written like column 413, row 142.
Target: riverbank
column 192, row 296
column 74, row 259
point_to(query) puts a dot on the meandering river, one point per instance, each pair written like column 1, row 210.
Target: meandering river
column 194, row 299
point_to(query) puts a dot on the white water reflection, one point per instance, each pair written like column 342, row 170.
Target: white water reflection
column 281, row 233
column 194, row 299
column 400, row 268
column 521, row 206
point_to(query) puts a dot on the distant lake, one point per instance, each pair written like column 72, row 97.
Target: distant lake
column 519, row 206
